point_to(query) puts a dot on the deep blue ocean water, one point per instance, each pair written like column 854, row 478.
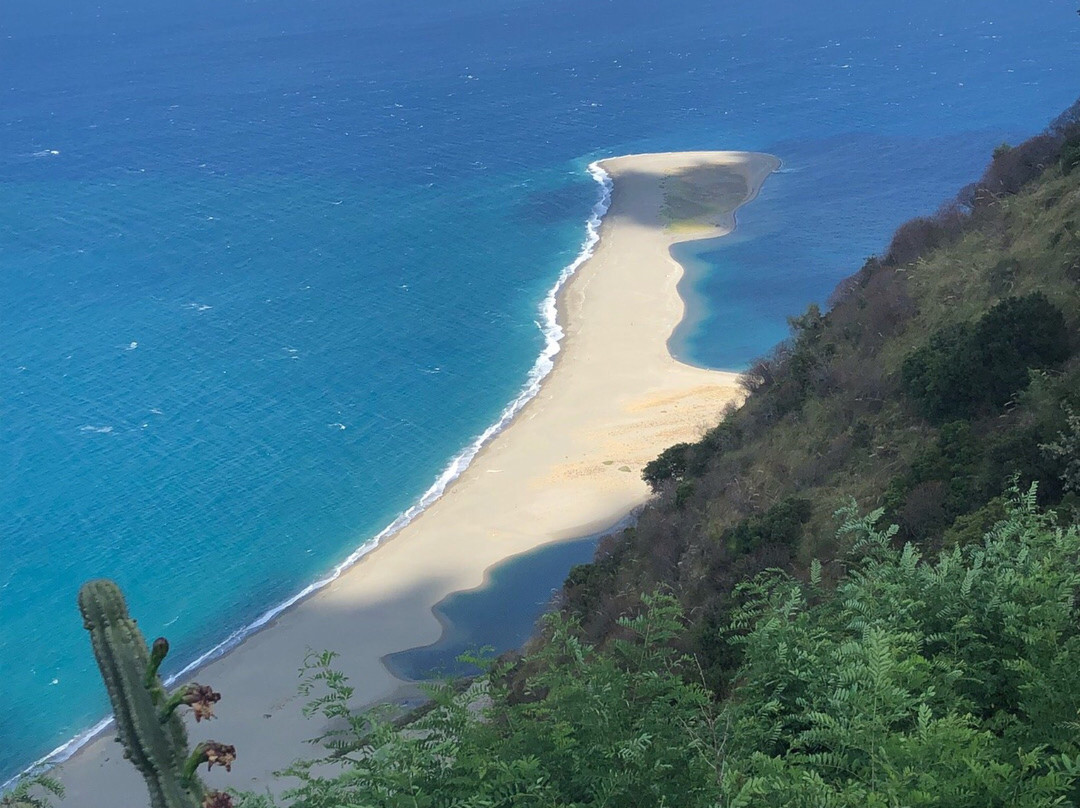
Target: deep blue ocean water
column 267, row 266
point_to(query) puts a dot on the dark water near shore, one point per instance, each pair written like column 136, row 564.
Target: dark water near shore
column 267, row 267
column 498, row 616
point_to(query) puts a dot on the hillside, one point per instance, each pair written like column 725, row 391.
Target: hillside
column 940, row 372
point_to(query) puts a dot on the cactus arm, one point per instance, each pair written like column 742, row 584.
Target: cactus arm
column 158, row 652
column 174, row 701
column 192, row 763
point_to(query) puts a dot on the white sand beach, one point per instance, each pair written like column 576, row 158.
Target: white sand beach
column 567, row 466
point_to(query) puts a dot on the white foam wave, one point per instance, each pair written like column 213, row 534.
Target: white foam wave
column 553, row 334
column 98, row 430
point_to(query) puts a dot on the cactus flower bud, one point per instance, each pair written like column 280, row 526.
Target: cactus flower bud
column 217, row 799
column 201, row 699
column 213, row 754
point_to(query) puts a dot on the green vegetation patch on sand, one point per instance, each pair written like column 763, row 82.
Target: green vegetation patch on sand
column 702, row 196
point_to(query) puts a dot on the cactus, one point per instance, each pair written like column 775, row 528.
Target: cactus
column 147, row 721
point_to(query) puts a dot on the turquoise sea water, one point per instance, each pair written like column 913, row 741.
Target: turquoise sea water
column 266, row 267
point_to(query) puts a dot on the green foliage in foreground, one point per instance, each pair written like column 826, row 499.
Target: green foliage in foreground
column 35, row 791
column 951, row 682
column 614, row 728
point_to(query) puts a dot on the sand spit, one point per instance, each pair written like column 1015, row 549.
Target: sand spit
column 567, row 466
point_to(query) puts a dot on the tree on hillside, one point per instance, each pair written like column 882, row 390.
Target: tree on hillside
column 968, row 366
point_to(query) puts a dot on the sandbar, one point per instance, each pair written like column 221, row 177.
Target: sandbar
column 569, row 465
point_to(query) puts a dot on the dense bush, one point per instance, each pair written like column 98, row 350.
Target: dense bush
column 953, row 467
column 948, row 684
column 916, row 238
column 621, row 727
column 587, row 590
column 1013, row 168
column 670, row 465
column 691, row 458
column 1066, row 450
column 936, row 376
column 1017, row 334
column 1070, row 156
column 780, row 524
column 967, row 367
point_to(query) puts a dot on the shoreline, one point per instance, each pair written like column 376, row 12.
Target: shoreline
column 428, row 662
column 559, row 487
column 455, row 467
column 453, row 629
column 678, row 343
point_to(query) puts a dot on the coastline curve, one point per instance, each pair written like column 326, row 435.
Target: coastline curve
column 568, row 466
column 553, row 335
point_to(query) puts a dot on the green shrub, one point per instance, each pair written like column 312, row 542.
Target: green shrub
column 691, row 459
column 780, row 524
column 619, row 727
column 972, row 527
column 935, row 377
column 585, row 586
column 1017, row 334
column 1070, row 157
column 955, row 463
column 1066, row 450
column 683, row 493
column 967, row 367
column 946, row 683
column 670, row 465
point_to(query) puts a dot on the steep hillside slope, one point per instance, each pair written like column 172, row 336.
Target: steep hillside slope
column 940, row 372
